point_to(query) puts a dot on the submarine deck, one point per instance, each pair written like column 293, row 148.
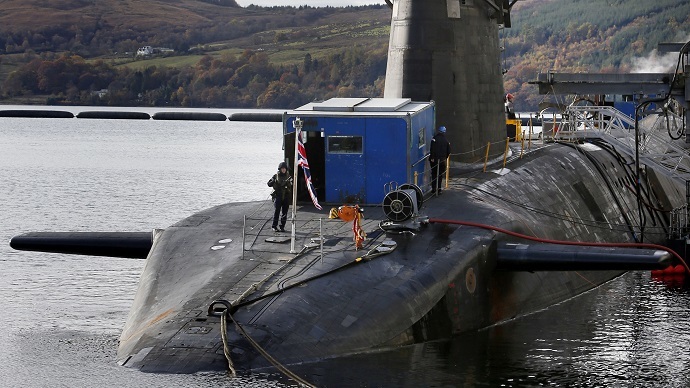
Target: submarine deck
column 269, row 262
column 263, row 261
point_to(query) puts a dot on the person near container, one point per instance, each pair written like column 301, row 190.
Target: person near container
column 282, row 195
column 438, row 156
column 510, row 110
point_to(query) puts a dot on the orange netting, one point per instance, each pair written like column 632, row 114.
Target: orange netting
column 349, row 213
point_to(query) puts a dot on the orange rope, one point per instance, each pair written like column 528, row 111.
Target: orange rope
column 357, row 229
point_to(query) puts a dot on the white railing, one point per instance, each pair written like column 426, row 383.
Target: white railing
column 679, row 223
column 657, row 148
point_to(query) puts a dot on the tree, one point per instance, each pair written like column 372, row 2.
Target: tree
column 279, row 95
column 306, row 64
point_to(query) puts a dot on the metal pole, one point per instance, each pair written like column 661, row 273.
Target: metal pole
column 438, row 176
column 486, row 155
column 244, row 232
column 505, row 154
column 531, row 132
column 297, row 124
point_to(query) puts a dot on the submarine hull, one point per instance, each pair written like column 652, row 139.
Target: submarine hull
column 436, row 280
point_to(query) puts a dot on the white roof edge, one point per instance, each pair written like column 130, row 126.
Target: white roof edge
column 357, row 104
column 340, row 104
column 382, row 104
column 362, row 106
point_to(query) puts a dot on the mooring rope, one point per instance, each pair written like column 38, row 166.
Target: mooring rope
column 226, row 347
column 226, row 314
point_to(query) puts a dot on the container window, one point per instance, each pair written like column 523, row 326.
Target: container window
column 345, row 144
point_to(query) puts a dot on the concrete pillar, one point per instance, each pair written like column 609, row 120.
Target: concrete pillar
column 448, row 51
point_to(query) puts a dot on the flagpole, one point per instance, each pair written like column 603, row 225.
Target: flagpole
column 297, row 124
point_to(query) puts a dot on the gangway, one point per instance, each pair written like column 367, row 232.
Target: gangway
column 655, row 146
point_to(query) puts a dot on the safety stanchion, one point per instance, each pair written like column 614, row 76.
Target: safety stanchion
column 505, row 154
column 486, row 156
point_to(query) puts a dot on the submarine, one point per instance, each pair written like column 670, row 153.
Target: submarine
column 373, row 258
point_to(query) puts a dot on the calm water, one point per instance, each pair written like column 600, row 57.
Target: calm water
column 63, row 314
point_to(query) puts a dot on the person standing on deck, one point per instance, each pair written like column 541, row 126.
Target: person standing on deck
column 438, row 155
column 510, row 110
column 282, row 195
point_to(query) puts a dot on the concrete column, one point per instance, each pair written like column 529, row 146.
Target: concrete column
column 448, row 51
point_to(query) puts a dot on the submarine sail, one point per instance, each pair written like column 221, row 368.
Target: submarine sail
column 448, row 52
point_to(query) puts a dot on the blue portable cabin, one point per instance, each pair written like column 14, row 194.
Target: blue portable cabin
column 360, row 148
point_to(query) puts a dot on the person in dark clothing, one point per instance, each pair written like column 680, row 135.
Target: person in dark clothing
column 508, row 103
column 440, row 150
column 282, row 195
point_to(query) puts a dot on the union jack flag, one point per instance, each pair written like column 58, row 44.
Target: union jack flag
column 302, row 161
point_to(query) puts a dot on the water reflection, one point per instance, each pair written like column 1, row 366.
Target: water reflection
column 630, row 332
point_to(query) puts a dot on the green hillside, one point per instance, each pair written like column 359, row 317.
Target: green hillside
column 586, row 36
column 214, row 53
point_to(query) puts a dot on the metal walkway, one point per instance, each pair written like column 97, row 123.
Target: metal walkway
column 657, row 148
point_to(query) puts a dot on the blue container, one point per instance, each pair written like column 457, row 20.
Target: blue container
column 360, row 148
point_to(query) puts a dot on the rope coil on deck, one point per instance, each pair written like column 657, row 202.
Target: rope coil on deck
column 227, row 314
column 224, row 337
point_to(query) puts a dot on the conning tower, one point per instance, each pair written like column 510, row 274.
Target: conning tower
column 448, row 51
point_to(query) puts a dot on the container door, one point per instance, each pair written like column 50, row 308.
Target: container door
column 386, row 155
column 345, row 162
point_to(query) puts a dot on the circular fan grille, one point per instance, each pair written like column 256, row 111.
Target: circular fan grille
column 398, row 205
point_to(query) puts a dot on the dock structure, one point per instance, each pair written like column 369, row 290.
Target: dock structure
column 649, row 88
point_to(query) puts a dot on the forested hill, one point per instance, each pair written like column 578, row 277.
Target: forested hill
column 215, row 53
column 607, row 36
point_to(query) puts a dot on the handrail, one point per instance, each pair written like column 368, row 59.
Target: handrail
column 420, row 160
column 679, row 221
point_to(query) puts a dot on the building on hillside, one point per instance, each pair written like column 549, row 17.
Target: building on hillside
column 144, row 51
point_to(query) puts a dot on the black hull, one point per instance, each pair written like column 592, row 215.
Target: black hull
column 440, row 280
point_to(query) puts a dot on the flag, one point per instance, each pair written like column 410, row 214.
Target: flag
column 302, row 161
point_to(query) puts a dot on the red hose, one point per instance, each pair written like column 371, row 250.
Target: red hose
column 561, row 242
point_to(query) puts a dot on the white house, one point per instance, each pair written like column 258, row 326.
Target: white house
column 144, row 51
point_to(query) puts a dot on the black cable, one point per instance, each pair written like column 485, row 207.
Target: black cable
column 575, row 220
column 591, row 223
column 365, row 257
column 226, row 314
column 646, row 190
column 643, row 103
column 675, row 73
column 668, row 127
column 631, row 175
